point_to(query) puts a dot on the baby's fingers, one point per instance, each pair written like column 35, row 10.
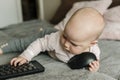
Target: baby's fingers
column 94, row 66
column 13, row 60
column 18, row 61
column 22, row 62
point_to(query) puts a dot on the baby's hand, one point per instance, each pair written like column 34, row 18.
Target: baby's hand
column 18, row 61
column 94, row 66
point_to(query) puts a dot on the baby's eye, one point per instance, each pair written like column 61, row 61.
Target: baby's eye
column 64, row 37
column 74, row 44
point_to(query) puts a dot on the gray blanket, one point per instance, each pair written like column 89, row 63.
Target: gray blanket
column 55, row 70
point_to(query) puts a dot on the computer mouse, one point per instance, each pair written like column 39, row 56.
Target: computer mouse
column 81, row 60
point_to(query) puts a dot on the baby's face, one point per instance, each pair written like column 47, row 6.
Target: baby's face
column 81, row 31
column 73, row 46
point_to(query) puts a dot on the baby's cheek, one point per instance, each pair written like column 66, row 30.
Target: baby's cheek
column 62, row 43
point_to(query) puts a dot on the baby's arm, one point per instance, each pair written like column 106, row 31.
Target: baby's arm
column 39, row 45
column 94, row 66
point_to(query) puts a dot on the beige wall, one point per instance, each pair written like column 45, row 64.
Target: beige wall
column 10, row 12
column 50, row 6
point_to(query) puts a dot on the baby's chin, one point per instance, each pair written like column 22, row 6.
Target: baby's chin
column 75, row 53
column 71, row 52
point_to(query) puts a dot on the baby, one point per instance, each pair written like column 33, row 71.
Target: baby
column 80, row 35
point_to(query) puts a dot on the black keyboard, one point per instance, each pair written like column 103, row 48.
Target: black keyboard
column 8, row 71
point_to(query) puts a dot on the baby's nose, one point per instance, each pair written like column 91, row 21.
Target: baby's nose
column 66, row 45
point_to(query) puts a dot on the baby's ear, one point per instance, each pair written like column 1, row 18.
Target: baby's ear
column 93, row 42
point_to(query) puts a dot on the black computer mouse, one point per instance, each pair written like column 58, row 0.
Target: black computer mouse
column 81, row 60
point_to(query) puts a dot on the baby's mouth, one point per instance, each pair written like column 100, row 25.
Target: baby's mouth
column 66, row 50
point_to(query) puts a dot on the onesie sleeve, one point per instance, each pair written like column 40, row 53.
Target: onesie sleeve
column 96, row 50
column 39, row 45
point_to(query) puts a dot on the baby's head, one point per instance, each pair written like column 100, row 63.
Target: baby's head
column 82, row 30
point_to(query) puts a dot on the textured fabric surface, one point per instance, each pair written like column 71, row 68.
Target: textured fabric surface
column 55, row 70
column 112, row 28
column 100, row 5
